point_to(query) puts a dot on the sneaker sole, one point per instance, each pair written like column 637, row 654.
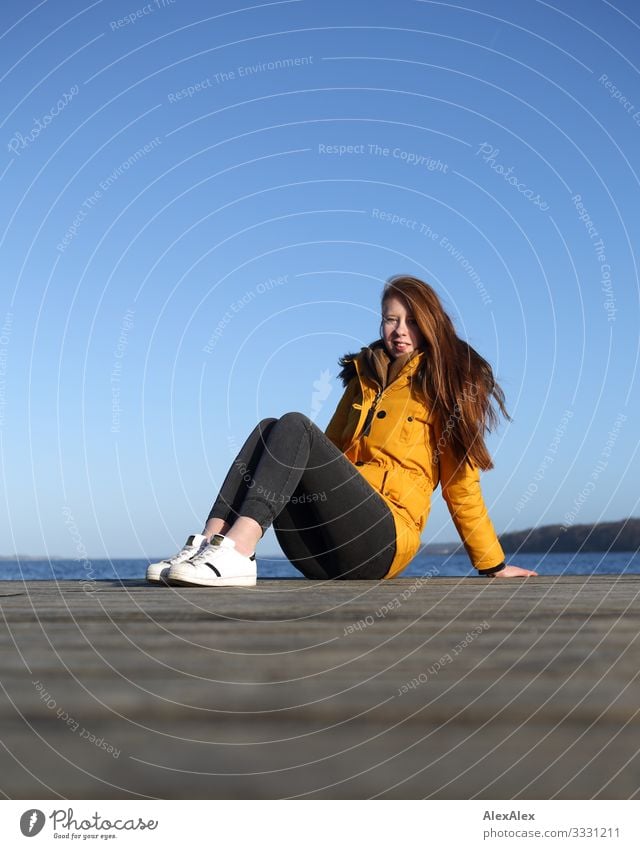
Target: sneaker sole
column 161, row 582
column 180, row 578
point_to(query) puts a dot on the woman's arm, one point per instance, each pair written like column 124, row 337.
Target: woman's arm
column 461, row 491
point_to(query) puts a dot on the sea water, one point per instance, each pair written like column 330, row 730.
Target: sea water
column 450, row 565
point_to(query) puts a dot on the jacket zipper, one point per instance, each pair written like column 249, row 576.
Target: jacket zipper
column 369, row 419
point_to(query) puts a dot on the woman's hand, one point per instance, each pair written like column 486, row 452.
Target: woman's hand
column 513, row 572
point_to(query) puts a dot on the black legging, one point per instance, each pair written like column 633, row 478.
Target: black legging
column 328, row 519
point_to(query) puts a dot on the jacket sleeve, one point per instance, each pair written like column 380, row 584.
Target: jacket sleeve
column 461, row 491
column 335, row 428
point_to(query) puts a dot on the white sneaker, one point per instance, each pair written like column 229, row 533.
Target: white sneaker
column 157, row 572
column 217, row 565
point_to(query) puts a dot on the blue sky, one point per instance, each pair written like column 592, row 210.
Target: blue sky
column 200, row 204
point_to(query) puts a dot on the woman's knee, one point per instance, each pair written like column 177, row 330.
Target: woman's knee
column 261, row 431
column 295, row 418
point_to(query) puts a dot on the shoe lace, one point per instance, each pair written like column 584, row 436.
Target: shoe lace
column 185, row 553
column 203, row 554
column 206, row 550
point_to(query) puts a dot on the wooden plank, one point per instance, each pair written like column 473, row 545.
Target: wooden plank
column 411, row 688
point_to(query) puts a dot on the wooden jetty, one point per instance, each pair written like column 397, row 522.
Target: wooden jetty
column 410, row 688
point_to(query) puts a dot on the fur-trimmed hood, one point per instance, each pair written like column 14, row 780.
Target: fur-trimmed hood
column 376, row 361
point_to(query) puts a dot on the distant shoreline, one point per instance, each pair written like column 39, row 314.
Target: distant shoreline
column 620, row 537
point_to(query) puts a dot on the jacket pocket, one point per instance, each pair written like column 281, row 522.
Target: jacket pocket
column 373, row 473
column 410, row 491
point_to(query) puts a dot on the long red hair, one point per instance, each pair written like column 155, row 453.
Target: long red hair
column 456, row 382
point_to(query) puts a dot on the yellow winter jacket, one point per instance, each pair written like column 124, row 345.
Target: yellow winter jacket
column 399, row 447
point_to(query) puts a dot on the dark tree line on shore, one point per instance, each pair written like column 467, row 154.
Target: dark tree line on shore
column 623, row 535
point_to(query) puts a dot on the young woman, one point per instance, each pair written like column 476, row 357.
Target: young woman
column 352, row 502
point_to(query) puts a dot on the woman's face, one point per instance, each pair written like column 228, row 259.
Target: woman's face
column 399, row 329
